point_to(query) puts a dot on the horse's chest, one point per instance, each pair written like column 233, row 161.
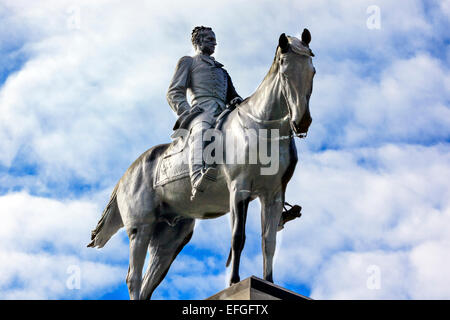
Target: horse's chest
column 270, row 176
column 260, row 178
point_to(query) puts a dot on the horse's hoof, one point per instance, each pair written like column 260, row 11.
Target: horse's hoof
column 288, row 215
column 234, row 280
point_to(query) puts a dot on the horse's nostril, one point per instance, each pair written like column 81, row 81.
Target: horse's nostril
column 305, row 123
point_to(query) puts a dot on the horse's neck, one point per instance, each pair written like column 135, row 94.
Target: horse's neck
column 267, row 102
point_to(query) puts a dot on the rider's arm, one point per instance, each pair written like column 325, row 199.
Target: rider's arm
column 176, row 95
column 231, row 92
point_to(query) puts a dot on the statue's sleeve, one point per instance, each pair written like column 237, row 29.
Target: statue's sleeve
column 176, row 94
column 231, row 91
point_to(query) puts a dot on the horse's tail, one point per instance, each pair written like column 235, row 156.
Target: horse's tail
column 109, row 223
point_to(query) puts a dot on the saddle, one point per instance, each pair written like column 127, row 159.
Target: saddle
column 174, row 162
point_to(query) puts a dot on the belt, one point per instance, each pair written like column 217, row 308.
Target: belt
column 205, row 99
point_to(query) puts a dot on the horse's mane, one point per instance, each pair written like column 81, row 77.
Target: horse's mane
column 274, row 67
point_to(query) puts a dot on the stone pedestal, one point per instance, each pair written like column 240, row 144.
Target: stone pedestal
column 254, row 288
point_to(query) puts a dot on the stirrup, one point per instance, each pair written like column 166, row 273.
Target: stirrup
column 289, row 214
column 207, row 176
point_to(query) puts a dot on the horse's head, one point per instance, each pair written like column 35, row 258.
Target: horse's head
column 294, row 58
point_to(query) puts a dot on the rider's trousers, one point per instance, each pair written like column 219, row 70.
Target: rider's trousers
column 204, row 121
column 196, row 147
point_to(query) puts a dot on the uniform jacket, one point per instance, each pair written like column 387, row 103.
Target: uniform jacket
column 208, row 84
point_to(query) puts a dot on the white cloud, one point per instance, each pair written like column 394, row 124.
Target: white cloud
column 407, row 103
column 429, row 263
column 46, row 276
column 41, row 238
column 387, row 208
column 201, row 286
column 347, row 276
column 419, row 273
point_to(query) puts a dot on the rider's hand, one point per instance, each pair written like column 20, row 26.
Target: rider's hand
column 236, row 101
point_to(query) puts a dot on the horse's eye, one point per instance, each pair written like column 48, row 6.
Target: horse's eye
column 281, row 61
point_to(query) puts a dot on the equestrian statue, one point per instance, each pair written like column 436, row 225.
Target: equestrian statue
column 171, row 185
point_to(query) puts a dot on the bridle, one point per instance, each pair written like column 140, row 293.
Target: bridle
column 283, row 92
column 287, row 117
column 292, row 133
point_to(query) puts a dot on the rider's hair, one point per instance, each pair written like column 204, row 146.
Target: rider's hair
column 197, row 34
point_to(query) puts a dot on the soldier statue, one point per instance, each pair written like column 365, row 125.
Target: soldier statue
column 211, row 91
column 159, row 216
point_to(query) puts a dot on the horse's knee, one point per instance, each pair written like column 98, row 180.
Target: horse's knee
column 132, row 232
column 139, row 232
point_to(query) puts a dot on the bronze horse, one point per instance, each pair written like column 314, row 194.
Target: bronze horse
column 161, row 219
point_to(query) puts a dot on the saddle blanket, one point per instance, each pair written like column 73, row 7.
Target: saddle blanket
column 174, row 162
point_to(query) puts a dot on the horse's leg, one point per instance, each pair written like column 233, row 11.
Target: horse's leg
column 239, row 200
column 139, row 239
column 165, row 244
column 271, row 210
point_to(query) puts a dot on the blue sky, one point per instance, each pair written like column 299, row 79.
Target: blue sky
column 82, row 94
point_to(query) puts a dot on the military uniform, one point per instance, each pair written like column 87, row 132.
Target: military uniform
column 211, row 89
column 207, row 83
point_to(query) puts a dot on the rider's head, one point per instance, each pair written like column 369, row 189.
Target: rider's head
column 204, row 40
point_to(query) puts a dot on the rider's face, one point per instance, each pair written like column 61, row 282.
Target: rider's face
column 208, row 43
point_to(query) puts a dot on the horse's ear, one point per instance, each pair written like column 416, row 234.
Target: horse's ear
column 306, row 36
column 283, row 43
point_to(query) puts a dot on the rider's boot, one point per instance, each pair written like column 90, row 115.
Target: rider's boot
column 201, row 174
